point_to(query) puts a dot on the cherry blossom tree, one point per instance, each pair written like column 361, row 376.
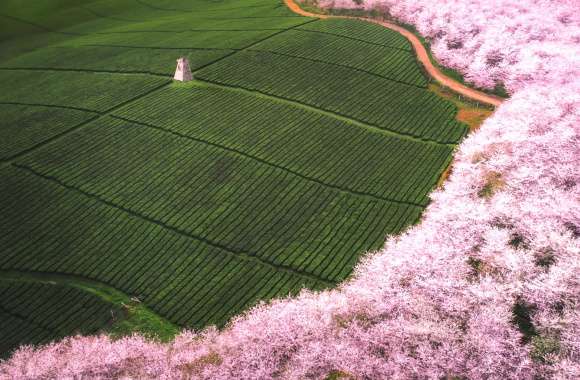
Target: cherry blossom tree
column 487, row 286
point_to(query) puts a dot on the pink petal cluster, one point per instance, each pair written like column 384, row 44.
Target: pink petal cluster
column 439, row 300
column 513, row 42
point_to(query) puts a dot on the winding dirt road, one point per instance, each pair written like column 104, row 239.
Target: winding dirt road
column 421, row 53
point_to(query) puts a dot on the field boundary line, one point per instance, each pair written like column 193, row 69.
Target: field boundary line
column 249, row 257
column 157, row 8
column 420, row 51
column 143, row 47
column 410, row 51
column 339, row 65
column 232, row 51
column 108, row 17
column 114, row 108
column 186, row 31
column 56, row 69
column 80, row 125
column 48, row 141
column 265, row 162
column 50, row 106
column 247, row 47
column 38, row 26
column 245, row 17
column 280, row 31
column 333, row 114
column 98, row 288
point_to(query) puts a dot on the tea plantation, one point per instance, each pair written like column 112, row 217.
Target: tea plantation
column 299, row 146
column 34, row 313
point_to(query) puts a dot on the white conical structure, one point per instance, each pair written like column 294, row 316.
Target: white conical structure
column 183, row 72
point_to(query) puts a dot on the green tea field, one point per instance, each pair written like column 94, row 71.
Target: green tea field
column 28, row 318
column 300, row 145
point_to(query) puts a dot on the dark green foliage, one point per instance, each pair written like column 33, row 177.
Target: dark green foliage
column 519, row 241
column 33, row 313
column 380, row 102
column 360, row 30
column 295, row 222
column 391, row 63
column 91, row 91
column 22, row 126
column 477, row 267
column 115, row 59
column 203, row 199
column 573, row 228
column 523, row 312
column 297, row 139
column 545, row 257
column 221, row 39
column 187, row 279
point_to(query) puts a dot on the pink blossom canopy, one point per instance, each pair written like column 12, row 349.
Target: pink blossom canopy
column 439, row 300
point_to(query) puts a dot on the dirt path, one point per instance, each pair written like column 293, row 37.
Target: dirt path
column 422, row 56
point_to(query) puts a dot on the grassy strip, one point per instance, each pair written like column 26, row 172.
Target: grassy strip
column 136, row 319
column 380, row 14
column 469, row 112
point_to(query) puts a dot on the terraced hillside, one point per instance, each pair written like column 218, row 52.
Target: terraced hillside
column 300, row 145
column 34, row 313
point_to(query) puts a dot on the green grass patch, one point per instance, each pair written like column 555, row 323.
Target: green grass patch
column 38, row 308
column 300, row 146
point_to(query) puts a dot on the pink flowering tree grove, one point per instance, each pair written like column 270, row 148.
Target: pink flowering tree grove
column 486, row 287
